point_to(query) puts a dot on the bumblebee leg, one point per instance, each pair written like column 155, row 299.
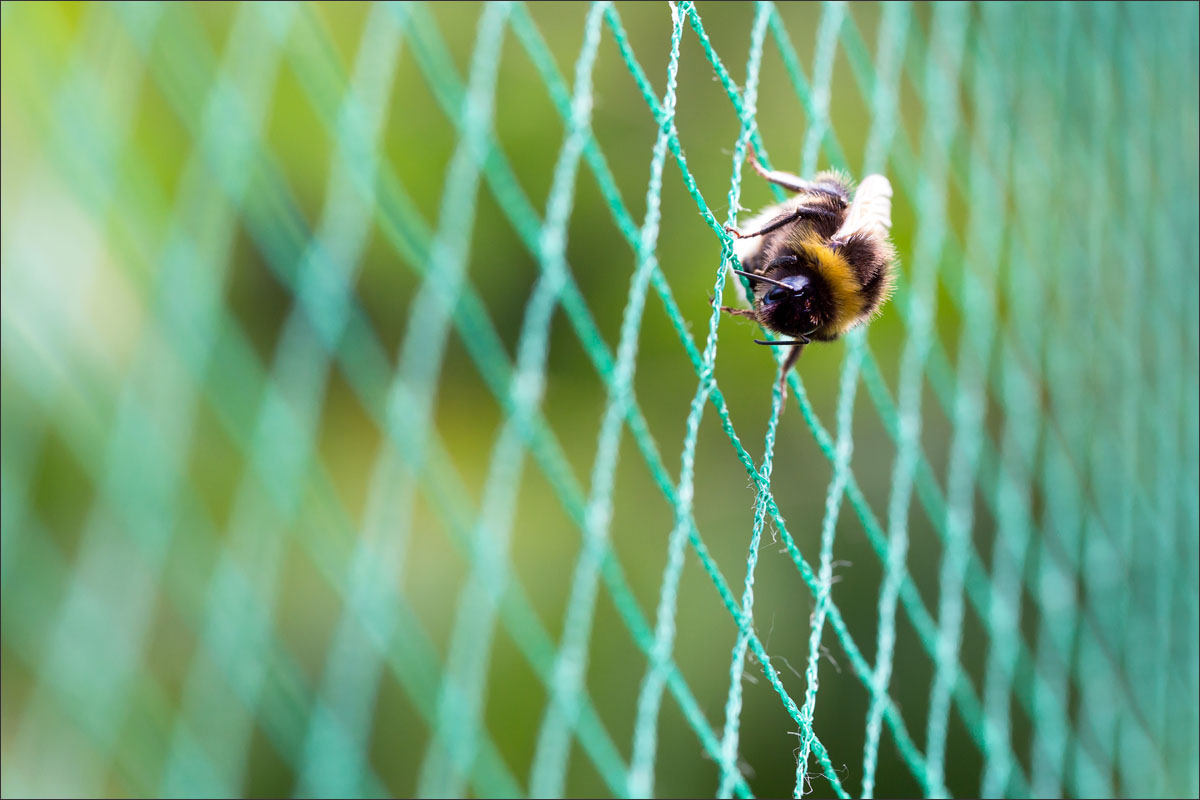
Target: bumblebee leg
column 797, row 184
column 748, row 313
column 737, row 312
column 803, row 212
column 790, row 362
column 785, row 179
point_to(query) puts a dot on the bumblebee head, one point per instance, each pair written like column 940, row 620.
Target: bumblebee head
column 790, row 297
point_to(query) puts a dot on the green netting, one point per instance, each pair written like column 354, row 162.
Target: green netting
column 324, row 327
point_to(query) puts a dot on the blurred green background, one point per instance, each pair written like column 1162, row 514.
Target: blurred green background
column 199, row 501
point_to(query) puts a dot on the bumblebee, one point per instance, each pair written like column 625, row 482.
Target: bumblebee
column 820, row 263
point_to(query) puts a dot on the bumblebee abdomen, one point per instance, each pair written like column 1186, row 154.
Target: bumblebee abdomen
column 872, row 259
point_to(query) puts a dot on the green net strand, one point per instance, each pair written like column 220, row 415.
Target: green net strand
column 946, row 39
column 606, row 749
column 301, row 365
column 175, row 251
column 1121, row 446
column 348, row 684
column 1053, row 586
column 912, row 600
column 1154, row 648
column 1112, row 475
column 832, row 17
column 827, row 449
column 934, row 363
column 808, row 737
column 641, row 768
column 1157, row 647
column 856, row 498
column 893, row 30
column 284, row 425
column 471, row 633
column 624, row 604
column 733, row 702
column 446, row 766
column 188, row 273
column 1085, row 642
column 338, row 727
column 833, row 498
column 1176, row 551
column 623, row 600
column 79, row 613
column 63, row 676
column 117, row 488
column 549, row 764
column 1099, row 553
column 603, row 361
column 641, row 782
column 677, row 322
column 1013, row 549
column 1090, row 624
column 1010, row 546
column 667, row 599
column 926, row 484
column 804, row 91
column 1099, row 571
column 715, row 394
column 927, row 637
column 723, row 413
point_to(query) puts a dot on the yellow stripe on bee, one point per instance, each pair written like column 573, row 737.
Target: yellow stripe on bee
column 844, row 288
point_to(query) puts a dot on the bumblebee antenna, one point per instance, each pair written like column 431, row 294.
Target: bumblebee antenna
column 803, row 340
column 756, row 277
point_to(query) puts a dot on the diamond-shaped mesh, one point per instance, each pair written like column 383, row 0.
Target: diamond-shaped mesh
column 324, row 327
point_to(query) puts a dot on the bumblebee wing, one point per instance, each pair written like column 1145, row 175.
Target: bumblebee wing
column 871, row 211
column 749, row 251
